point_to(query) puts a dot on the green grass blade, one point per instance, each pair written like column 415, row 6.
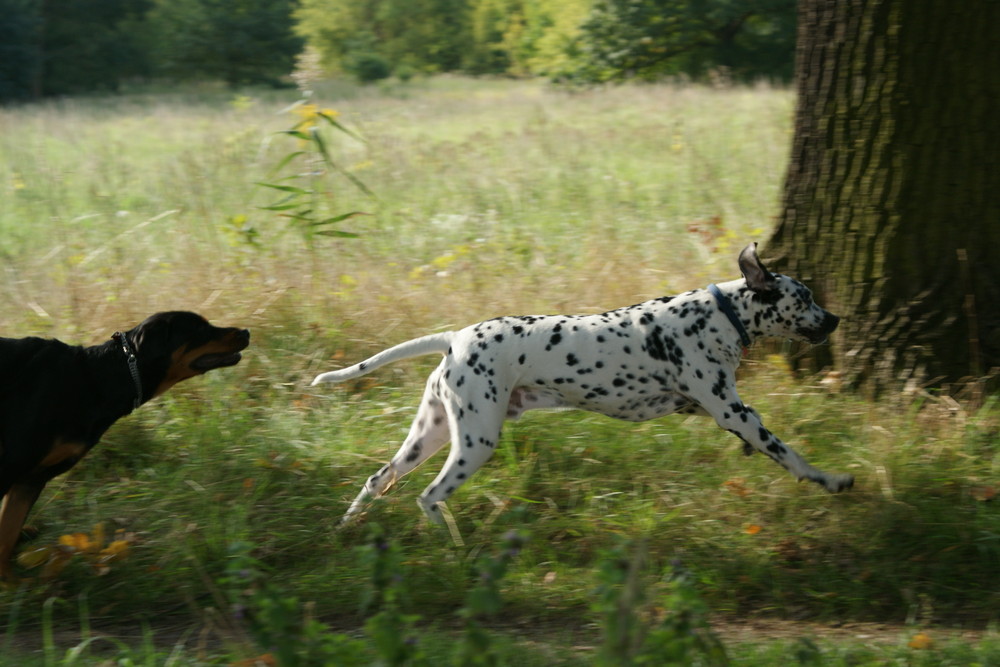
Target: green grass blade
column 321, row 145
column 284, row 188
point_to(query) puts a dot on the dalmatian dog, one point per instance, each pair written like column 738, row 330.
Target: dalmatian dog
column 671, row 354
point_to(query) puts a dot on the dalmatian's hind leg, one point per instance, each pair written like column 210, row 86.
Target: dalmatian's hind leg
column 428, row 433
column 475, row 435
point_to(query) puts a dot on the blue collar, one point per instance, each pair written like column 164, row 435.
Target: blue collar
column 727, row 309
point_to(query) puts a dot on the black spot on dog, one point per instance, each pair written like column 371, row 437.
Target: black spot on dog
column 719, row 387
column 654, row 345
column 414, row 452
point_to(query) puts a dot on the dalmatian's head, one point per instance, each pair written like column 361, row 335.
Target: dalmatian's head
column 782, row 306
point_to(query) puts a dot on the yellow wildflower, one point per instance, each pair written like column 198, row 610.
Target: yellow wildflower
column 115, row 548
column 311, row 113
column 76, row 541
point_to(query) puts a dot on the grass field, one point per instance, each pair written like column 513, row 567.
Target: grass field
column 493, row 197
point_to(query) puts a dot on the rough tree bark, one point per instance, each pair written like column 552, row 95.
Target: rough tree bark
column 891, row 206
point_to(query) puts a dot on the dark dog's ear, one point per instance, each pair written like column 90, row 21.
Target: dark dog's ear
column 152, row 331
column 759, row 279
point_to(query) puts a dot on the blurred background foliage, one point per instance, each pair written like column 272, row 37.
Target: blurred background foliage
column 58, row 47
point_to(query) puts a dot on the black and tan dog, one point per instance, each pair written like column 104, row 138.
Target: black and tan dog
column 57, row 400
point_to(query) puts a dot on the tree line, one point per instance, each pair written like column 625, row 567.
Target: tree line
column 58, row 47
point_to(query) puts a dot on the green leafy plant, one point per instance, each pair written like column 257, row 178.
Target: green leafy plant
column 390, row 630
column 290, row 636
column 306, row 201
column 92, row 644
column 484, row 600
column 278, row 622
column 640, row 629
column 284, row 627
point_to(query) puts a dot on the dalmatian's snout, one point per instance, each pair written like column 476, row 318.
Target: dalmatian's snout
column 822, row 331
column 830, row 322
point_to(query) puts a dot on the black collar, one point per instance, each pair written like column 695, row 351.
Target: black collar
column 727, row 309
column 133, row 365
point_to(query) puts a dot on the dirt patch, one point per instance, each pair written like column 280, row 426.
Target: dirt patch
column 205, row 640
column 764, row 629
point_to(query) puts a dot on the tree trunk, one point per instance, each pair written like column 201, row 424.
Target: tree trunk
column 891, row 208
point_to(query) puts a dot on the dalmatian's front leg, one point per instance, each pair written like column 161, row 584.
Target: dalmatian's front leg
column 740, row 419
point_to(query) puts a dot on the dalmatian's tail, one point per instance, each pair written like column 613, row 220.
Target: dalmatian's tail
column 439, row 342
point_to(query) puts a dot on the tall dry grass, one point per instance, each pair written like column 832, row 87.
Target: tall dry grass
column 494, row 197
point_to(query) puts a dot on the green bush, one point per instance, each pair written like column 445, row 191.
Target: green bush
column 367, row 67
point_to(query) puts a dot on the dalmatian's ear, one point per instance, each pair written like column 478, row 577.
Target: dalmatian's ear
column 759, row 279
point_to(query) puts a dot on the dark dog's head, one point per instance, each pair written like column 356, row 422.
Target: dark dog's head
column 785, row 307
column 174, row 346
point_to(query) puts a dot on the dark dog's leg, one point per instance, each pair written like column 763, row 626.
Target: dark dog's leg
column 14, row 510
